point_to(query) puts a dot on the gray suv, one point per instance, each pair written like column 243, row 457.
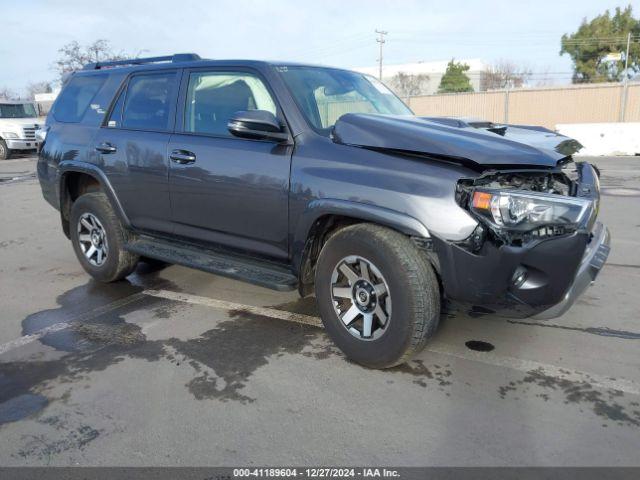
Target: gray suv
column 293, row 176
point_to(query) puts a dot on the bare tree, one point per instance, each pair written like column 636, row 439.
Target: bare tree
column 504, row 74
column 407, row 85
column 545, row 78
column 74, row 56
column 8, row 94
column 38, row 87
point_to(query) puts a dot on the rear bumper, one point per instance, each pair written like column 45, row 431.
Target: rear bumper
column 48, row 178
column 22, row 144
column 592, row 262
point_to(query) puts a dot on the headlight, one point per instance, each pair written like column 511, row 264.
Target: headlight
column 518, row 210
column 41, row 134
column 9, row 135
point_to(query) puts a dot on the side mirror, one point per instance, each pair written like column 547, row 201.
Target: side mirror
column 258, row 125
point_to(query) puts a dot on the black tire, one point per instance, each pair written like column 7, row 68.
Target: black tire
column 5, row 153
column 412, row 286
column 118, row 262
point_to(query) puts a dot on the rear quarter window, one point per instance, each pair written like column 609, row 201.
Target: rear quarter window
column 76, row 98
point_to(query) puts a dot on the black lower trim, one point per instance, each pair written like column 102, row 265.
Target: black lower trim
column 247, row 269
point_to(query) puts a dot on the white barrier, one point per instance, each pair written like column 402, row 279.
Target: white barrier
column 604, row 138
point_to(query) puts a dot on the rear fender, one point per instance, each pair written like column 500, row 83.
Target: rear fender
column 68, row 166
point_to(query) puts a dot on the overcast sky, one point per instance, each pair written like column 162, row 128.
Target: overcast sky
column 334, row 32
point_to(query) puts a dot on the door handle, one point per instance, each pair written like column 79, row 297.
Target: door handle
column 106, row 148
column 182, row 157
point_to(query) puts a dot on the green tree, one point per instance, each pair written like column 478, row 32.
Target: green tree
column 455, row 79
column 595, row 39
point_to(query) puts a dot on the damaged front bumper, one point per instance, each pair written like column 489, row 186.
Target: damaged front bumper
column 592, row 262
column 542, row 279
column 536, row 271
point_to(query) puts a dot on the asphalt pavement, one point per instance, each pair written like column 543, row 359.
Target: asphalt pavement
column 183, row 368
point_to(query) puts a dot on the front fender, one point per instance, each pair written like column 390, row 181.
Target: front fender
column 319, row 208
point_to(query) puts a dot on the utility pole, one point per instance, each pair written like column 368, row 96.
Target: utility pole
column 623, row 108
column 506, row 101
column 381, row 41
column 626, row 56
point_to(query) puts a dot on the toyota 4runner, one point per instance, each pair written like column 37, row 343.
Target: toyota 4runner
column 319, row 179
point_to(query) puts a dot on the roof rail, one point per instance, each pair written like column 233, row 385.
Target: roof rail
column 176, row 58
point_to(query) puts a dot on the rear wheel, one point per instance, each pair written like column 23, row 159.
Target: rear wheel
column 98, row 238
column 378, row 296
column 5, row 153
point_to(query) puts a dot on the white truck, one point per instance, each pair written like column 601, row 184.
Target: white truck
column 18, row 126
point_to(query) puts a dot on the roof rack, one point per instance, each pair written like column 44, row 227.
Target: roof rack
column 176, row 58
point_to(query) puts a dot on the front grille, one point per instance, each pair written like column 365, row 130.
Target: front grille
column 550, row 231
column 29, row 133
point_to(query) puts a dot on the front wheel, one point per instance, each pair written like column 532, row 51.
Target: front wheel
column 378, row 296
column 5, row 153
column 98, row 239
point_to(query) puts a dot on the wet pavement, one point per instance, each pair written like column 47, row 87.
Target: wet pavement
column 179, row 367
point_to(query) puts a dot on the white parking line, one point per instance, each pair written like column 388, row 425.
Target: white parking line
column 487, row 358
column 564, row 373
column 230, row 306
column 22, row 341
column 96, row 312
column 621, row 384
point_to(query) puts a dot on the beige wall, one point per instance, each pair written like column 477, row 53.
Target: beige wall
column 544, row 106
column 632, row 112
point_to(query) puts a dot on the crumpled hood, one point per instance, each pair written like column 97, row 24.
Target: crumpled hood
column 543, row 148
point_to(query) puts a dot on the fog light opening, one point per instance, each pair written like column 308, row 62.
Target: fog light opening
column 519, row 276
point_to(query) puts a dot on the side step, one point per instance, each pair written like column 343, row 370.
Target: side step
column 246, row 269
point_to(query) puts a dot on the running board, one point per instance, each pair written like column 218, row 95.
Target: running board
column 250, row 270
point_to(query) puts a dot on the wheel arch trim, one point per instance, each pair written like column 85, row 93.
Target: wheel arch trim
column 356, row 210
column 72, row 166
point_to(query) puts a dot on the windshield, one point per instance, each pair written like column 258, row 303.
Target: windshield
column 325, row 94
column 17, row 110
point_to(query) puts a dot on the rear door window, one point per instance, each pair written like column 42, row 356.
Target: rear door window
column 76, row 97
column 148, row 101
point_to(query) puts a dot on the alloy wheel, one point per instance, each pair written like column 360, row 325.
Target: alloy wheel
column 92, row 239
column 361, row 297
